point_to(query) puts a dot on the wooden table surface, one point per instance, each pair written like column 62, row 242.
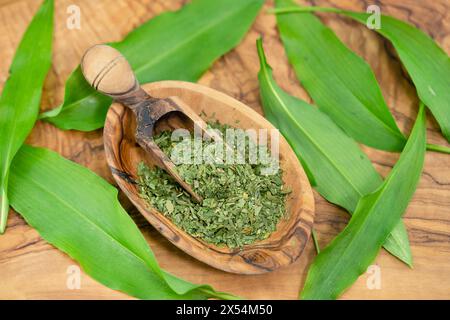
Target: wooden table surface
column 31, row 268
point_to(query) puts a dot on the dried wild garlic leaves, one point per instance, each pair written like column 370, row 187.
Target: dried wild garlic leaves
column 241, row 205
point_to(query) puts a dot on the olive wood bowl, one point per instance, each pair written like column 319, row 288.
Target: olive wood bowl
column 123, row 154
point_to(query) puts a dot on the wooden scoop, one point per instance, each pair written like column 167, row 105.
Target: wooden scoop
column 123, row 155
column 125, row 148
column 108, row 72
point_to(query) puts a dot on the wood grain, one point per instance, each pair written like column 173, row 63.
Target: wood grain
column 31, row 268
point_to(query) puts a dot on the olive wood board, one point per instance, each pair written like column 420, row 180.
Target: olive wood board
column 30, row 268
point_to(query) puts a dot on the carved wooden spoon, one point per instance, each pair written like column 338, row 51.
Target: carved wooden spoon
column 108, row 72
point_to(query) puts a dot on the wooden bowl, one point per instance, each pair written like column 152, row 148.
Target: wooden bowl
column 284, row 245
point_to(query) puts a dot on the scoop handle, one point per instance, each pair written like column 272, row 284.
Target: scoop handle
column 109, row 72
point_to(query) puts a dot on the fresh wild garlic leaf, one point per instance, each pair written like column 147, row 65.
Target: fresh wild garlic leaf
column 179, row 45
column 21, row 96
column 78, row 212
column 427, row 64
column 354, row 249
column 340, row 82
column 342, row 172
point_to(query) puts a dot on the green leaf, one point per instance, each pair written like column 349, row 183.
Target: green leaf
column 427, row 64
column 179, row 45
column 78, row 212
column 342, row 172
column 354, row 249
column 19, row 103
column 340, row 82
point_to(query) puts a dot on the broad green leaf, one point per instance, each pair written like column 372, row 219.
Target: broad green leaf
column 78, row 212
column 21, row 96
column 340, row 82
column 342, row 172
column 426, row 62
column 179, row 45
column 355, row 248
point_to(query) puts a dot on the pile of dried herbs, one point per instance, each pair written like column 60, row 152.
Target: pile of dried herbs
column 240, row 204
